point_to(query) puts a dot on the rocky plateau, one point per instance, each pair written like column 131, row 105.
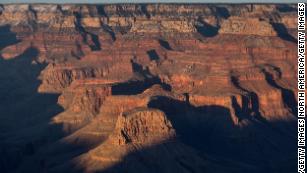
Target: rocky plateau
column 147, row 88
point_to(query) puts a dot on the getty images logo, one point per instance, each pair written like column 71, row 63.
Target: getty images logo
column 301, row 87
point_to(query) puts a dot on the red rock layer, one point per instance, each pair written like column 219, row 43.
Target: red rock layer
column 148, row 88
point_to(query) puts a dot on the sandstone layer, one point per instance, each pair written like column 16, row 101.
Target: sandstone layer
column 148, row 88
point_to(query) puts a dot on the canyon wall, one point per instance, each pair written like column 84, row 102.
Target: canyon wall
column 148, row 88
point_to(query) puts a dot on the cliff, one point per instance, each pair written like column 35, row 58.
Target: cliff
column 148, row 88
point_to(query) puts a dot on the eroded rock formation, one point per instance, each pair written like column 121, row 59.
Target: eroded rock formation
column 148, row 88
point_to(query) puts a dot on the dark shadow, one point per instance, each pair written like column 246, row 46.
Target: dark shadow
column 251, row 8
column 153, row 56
column 186, row 119
column 93, row 43
column 287, row 95
column 210, row 131
column 78, row 52
column 223, row 12
column 101, row 11
column 277, row 70
column 91, row 10
column 285, row 8
column 282, row 32
column 32, row 22
column 28, row 141
column 7, row 37
column 33, row 11
column 251, row 110
column 133, row 87
column 254, row 112
column 59, row 9
column 144, row 10
column 242, row 113
column 164, row 44
column 123, row 12
column 251, row 96
column 78, row 24
column 95, row 40
column 24, row 113
column 109, row 30
column 187, row 97
column 172, row 157
column 206, row 29
column 139, row 69
column 1, row 9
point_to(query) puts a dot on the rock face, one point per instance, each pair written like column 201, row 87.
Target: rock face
column 148, row 88
column 143, row 127
column 253, row 26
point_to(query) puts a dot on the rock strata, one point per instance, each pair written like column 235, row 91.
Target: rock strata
column 148, row 88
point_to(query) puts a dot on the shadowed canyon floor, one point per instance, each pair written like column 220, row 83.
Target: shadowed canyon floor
column 146, row 88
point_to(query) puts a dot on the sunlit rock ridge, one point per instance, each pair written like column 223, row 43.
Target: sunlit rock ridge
column 147, row 88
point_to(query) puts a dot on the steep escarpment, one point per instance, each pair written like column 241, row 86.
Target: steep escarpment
column 148, row 88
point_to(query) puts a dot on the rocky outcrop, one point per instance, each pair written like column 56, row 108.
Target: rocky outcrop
column 147, row 87
column 237, row 25
column 143, row 127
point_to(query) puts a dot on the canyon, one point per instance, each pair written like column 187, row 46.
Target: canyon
column 141, row 88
